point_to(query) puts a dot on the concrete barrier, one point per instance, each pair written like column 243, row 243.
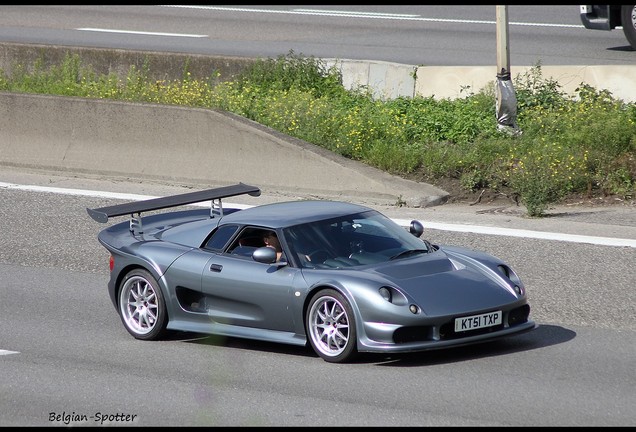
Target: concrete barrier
column 196, row 146
column 159, row 66
column 384, row 79
column 390, row 80
column 452, row 82
column 217, row 148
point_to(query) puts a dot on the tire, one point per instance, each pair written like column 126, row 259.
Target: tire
column 628, row 20
column 141, row 305
column 331, row 327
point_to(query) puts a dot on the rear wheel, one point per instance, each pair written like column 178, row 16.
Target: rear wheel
column 628, row 20
column 141, row 305
column 331, row 326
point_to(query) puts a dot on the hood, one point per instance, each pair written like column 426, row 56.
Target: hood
column 442, row 287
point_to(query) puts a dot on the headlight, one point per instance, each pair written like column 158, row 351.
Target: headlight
column 512, row 276
column 509, row 273
column 386, row 294
column 393, row 295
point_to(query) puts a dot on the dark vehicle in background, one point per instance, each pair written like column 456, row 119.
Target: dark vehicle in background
column 608, row 17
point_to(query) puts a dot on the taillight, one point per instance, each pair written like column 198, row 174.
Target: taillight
column 111, row 262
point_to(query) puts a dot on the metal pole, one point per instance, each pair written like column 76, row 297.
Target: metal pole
column 503, row 49
column 506, row 103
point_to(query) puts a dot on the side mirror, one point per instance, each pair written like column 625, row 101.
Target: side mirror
column 266, row 255
column 416, row 228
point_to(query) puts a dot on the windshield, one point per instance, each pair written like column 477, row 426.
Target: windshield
column 358, row 239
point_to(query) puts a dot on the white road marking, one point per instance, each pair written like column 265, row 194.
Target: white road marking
column 356, row 14
column 7, row 352
column 100, row 30
column 512, row 232
column 575, row 238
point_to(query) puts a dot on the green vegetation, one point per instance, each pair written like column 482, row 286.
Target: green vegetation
column 582, row 144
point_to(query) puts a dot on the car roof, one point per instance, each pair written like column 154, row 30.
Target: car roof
column 283, row 214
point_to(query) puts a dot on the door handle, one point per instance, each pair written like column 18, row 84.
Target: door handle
column 216, row 267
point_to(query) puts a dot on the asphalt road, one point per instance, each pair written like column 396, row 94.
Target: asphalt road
column 66, row 356
column 67, row 360
column 431, row 35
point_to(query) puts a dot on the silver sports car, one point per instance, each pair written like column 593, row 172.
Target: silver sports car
column 340, row 277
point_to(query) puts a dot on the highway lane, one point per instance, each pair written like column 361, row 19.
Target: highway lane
column 66, row 358
column 417, row 35
column 598, row 276
column 72, row 357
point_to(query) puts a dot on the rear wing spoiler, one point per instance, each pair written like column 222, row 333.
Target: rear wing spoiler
column 137, row 207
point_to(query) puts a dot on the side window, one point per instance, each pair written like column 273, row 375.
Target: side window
column 220, row 237
column 247, row 242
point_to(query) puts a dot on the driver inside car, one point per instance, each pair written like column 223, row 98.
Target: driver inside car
column 271, row 240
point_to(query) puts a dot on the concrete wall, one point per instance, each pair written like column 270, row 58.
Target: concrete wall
column 161, row 66
column 217, row 148
column 448, row 82
column 185, row 145
column 390, row 80
column 386, row 80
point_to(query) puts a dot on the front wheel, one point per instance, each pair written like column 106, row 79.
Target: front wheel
column 331, row 326
column 628, row 20
column 141, row 305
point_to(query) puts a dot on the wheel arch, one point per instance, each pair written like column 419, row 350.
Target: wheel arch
column 318, row 287
column 336, row 287
column 124, row 271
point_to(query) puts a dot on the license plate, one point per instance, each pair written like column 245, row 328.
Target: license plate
column 478, row 321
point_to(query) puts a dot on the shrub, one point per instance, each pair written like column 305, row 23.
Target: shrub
column 584, row 143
